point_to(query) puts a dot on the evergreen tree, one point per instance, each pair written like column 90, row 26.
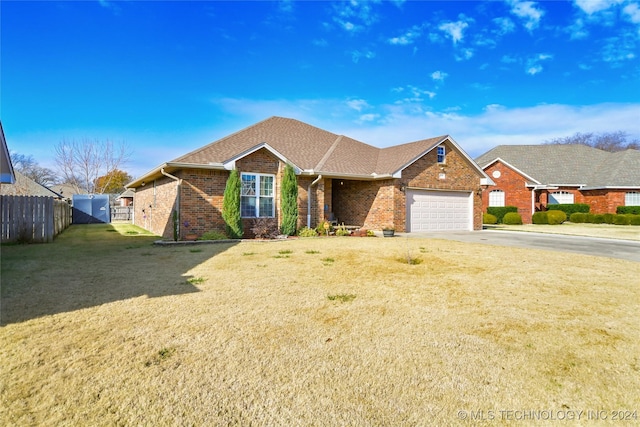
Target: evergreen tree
column 231, row 206
column 289, row 199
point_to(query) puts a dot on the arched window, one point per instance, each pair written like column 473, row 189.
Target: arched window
column 496, row 198
column 632, row 198
column 560, row 197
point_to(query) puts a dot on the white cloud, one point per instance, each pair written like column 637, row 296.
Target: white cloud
column 454, row 30
column 439, row 76
column 593, row 6
column 504, row 25
column 577, row 30
column 464, row 54
column 320, row 42
column 632, row 11
column 409, row 37
column 533, row 65
column 357, row 54
column 527, row 12
column 357, row 104
column 354, row 16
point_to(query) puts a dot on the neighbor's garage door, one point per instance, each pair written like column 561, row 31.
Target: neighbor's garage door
column 439, row 210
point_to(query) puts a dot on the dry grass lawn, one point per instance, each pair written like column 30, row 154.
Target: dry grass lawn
column 101, row 328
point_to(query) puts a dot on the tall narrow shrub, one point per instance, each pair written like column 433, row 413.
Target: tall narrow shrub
column 231, row 206
column 289, row 198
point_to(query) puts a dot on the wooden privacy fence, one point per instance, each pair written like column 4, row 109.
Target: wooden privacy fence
column 32, row 218
column 122, row 213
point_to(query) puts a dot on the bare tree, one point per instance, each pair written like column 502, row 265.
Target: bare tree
column 607, row 141
column 29, row 167
column 81, row 163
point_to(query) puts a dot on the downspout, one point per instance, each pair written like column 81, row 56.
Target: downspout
column 178, row 184
column 309, row 200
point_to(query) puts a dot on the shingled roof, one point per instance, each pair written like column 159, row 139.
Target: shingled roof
column 569, row 164
column 310, row 149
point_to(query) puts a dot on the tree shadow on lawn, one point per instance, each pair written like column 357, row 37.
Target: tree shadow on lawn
column 91, row 265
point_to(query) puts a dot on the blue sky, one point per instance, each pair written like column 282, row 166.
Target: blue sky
column 169, row 77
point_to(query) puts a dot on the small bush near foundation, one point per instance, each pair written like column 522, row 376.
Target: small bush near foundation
column 578, row 217
column 264, row 228
column 341, row 230
column 569, row 208
column 635, row 210
column 556, row 217
column 487, row 218
column 540, row 218
column 634, row 219
column 598, row 219
column 512, row 218
column 307, row 232
column 621, row 220
column 500, row 211
column 608, row 218
column 213, row 235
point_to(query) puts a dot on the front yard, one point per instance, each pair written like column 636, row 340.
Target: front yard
column 101, row 328
column 609, row 231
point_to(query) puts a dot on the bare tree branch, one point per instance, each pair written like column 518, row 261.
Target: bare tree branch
column 81, row 163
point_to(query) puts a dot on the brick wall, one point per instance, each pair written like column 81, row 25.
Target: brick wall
column 460, row 175
column 515, row 190
column 201, row 201
column 603, row 201
column 153, row 206
column 368, row 204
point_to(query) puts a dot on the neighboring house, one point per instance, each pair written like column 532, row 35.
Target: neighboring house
column 67, row 191
column 7, row 175
column 25, row 186
column 531, row 177
column 430, row 184
column 126, row 198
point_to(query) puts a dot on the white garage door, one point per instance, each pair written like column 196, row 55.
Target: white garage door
column 439, row 210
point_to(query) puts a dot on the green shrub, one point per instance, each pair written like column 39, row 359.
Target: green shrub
column 341, row 230
column 540, row 218
column 556, row 217
column 635, row 210
column 512, row 218
column 231, row 206
column 598, row 219
column 289, row 197
column 213, row 235
column 500, row 211
column 578, row 217
column 621, row 220
column 634, row 219
column 608, row 218
column 569, row 208
column 307, row 232
column 487, row 218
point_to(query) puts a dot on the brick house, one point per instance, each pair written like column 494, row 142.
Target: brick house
column 430, row 184
column 531, row 177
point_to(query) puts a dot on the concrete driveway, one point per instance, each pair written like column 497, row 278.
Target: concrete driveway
column 622, row 249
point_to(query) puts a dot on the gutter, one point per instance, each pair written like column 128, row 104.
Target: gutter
column 178, row 185
column 309, row 199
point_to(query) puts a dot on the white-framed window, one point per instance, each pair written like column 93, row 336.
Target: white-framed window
column 441, row 154
column 256, row 195
column 560, row 197
column 632, row 198
column 496, row 198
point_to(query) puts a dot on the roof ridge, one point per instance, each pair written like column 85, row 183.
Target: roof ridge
column 330, row 151
column 190, row 153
